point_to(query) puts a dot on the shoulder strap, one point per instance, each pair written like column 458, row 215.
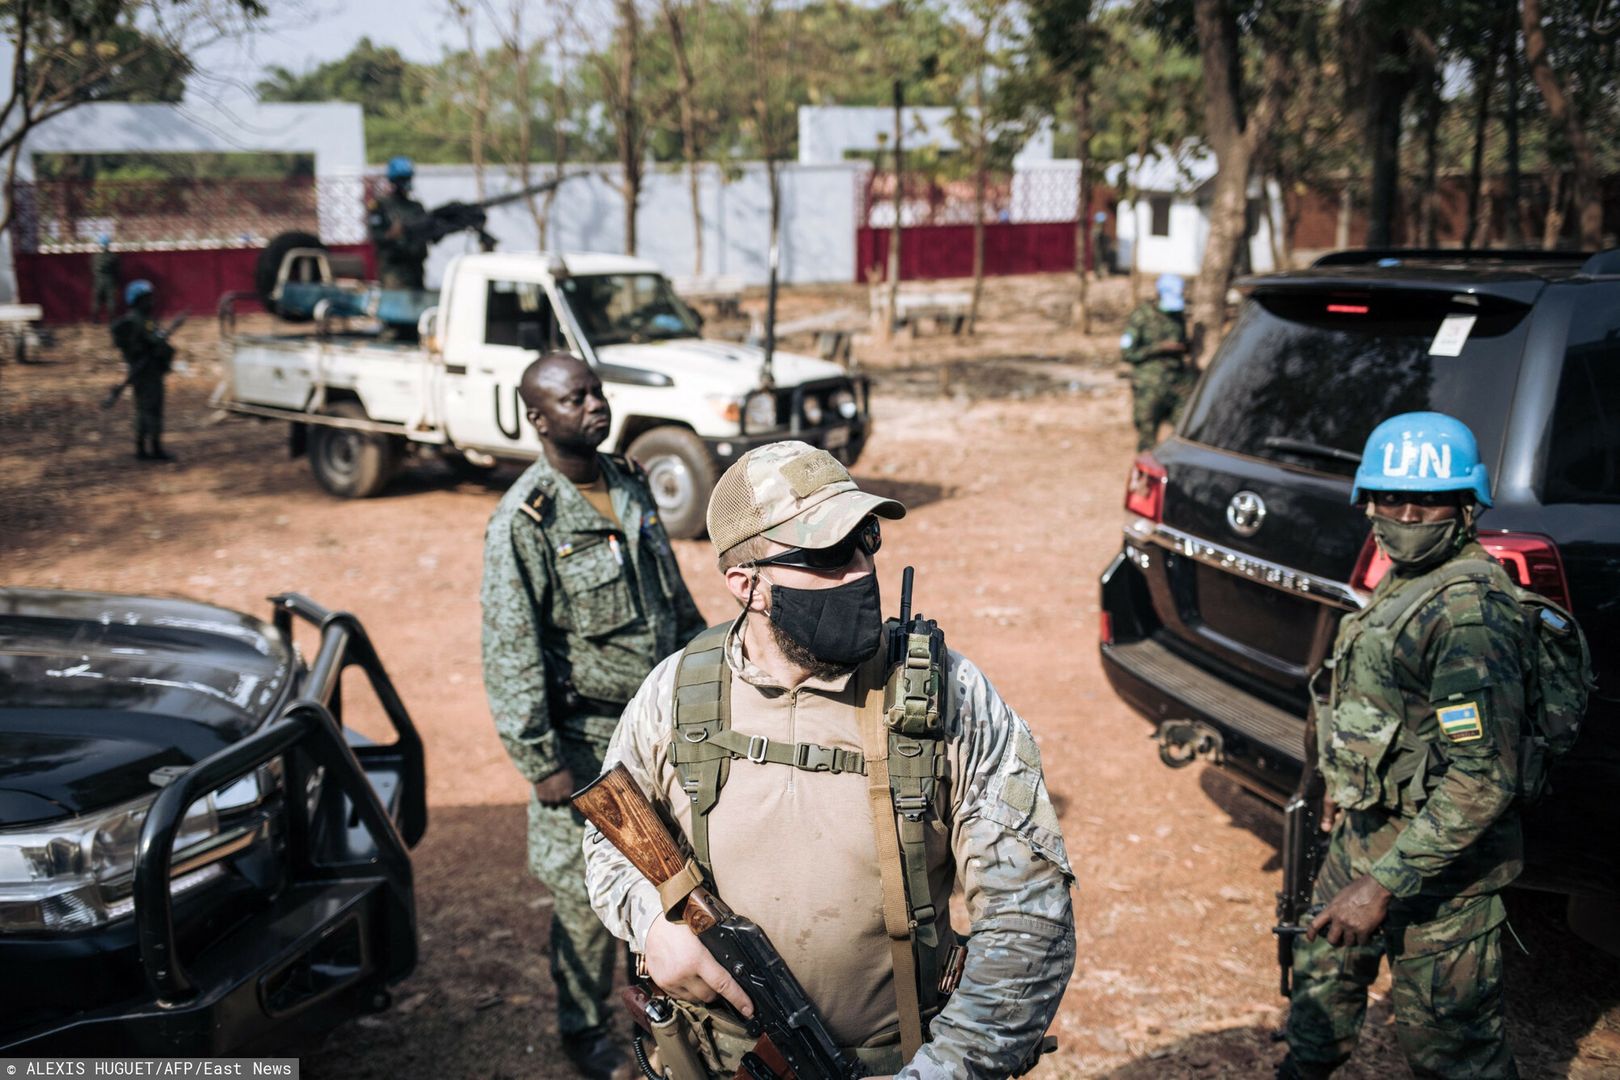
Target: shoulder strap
column 1410, row 599
column 897, row 916
column 702, row 711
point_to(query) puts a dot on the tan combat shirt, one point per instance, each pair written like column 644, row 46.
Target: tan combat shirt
column 794, row 851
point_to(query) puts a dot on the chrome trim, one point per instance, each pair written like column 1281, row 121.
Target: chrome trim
column 1294, row 582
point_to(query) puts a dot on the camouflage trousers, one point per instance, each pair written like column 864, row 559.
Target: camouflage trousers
column 582, row 950
column 103, row 299
column 148, row 408
column 1445, row 959
column 1159, row 388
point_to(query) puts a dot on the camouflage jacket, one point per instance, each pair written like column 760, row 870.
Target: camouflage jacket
column 104, row 267
column 381, row 216
column 147, row 353
column 1424, row 727
column 574, row 608
column 819, row 898
column 1146, row 327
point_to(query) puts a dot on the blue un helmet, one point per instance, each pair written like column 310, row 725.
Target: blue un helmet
column 1422, row 451
column 400, row 168
column 1171, row 295
column 136, row 289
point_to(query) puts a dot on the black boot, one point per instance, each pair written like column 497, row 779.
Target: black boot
column 597, row 1055
column 158, row 453
column 140, row 449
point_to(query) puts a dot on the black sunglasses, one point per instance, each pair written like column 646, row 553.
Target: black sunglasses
column 867, row 537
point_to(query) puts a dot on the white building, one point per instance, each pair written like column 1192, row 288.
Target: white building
column 1164, row 227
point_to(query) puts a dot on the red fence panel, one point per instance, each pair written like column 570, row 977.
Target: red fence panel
column 185, row 280
column 946, row 251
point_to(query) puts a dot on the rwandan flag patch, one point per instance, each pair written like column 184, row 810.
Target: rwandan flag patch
column 1460, row 723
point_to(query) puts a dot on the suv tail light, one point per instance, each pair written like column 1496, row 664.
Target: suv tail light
column 1144, row 491
column 1530, row 559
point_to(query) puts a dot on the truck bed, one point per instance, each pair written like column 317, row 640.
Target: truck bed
column 300, row 372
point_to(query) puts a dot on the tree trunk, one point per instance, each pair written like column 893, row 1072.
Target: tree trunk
column 690, row 148
column 629, row 119
column 1485, row 78
column 1082, row 226
column 892, row 301
column 1514, row 211
column 1585, row 190
column 1234, row 150
column 1388, row 95
column 1552, row 227
column 1429, row 205
column 980, row 134
column 1347, row 213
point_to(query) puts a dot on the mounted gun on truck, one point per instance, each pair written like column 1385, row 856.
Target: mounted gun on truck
column 361, row 401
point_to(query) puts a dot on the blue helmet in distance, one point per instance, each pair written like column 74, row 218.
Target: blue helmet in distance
column 1172, row 296
column 401, row 168
column 1422, row 451
column 104, row 239
column 136, row 289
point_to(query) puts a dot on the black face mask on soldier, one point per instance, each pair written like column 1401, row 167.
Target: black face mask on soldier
column 842, row 625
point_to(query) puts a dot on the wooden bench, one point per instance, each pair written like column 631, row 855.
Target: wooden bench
column 948, row 310
column 834, row 331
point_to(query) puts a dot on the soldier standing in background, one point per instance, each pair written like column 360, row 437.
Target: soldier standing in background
column 1419, row 741
column 760, row 741
column 147, row 355
column 399, row 255
column 1155, row 345
column 1102, row 247
column 582, row 596
column 103, row 280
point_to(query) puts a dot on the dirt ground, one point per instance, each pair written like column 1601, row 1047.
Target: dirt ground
column 1010, row 448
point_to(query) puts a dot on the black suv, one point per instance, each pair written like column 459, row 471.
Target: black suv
column 1242, row 550
column 196, row 855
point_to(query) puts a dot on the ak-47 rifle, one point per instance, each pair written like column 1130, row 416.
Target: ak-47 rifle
column 1304, row 847
column 135, row 372
column 454, row 217
column 794, row 1041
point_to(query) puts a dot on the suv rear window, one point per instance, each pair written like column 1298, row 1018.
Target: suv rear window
column 1306, row 375
column 1583, row 465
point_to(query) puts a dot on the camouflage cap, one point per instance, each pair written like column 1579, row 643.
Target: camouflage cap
column 792, row 493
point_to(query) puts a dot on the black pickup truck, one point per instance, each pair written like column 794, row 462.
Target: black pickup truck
column 1241, row 549
column 196, row 856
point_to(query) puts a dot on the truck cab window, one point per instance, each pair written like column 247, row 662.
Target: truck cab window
column 1583, row 460
column 518, row 313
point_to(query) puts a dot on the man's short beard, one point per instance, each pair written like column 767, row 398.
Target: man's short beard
column 803, row 657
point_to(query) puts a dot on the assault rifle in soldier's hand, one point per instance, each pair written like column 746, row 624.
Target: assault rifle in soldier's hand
column 1304, row 846
column 136, row 372
column 794, row 1041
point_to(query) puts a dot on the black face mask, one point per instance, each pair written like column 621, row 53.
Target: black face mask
column 842, row 625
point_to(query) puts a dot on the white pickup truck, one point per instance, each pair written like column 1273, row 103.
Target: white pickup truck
column 683, row 407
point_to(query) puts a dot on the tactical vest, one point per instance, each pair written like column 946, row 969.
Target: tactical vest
column 704, row 745
column 1371, row 756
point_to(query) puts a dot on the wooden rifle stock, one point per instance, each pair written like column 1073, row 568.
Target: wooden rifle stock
column 615, row 805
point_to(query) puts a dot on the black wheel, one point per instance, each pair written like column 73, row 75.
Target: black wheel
column 350, row 463
column 268, row 267
column 681, row 473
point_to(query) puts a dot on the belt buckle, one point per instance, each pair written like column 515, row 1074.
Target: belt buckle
column 757, row 745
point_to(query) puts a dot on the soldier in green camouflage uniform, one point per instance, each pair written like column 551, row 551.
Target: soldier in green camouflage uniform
column 790, row 838
column 1155, row 345
column 1418, row 740
column 582, row 596
column 147, row 356
column 399, row 256
column 103, row 279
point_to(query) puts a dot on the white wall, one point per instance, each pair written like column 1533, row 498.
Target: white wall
column 1182, row 251
column 818, row 218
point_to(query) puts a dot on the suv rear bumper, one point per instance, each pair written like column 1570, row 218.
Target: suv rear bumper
column 1260, row 745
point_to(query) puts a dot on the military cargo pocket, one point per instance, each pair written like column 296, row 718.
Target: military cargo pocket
column 598, row 592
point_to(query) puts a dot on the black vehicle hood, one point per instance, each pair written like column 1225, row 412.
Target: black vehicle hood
column 97, row 690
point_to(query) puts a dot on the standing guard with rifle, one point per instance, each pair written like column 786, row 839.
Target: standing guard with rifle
column 393, row 222
column 832, row 777
column 147, row 356
column 1440, row 713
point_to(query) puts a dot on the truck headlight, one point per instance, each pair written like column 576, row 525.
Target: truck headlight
column 843, row 402
column 759, row 411
column 79, row 873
